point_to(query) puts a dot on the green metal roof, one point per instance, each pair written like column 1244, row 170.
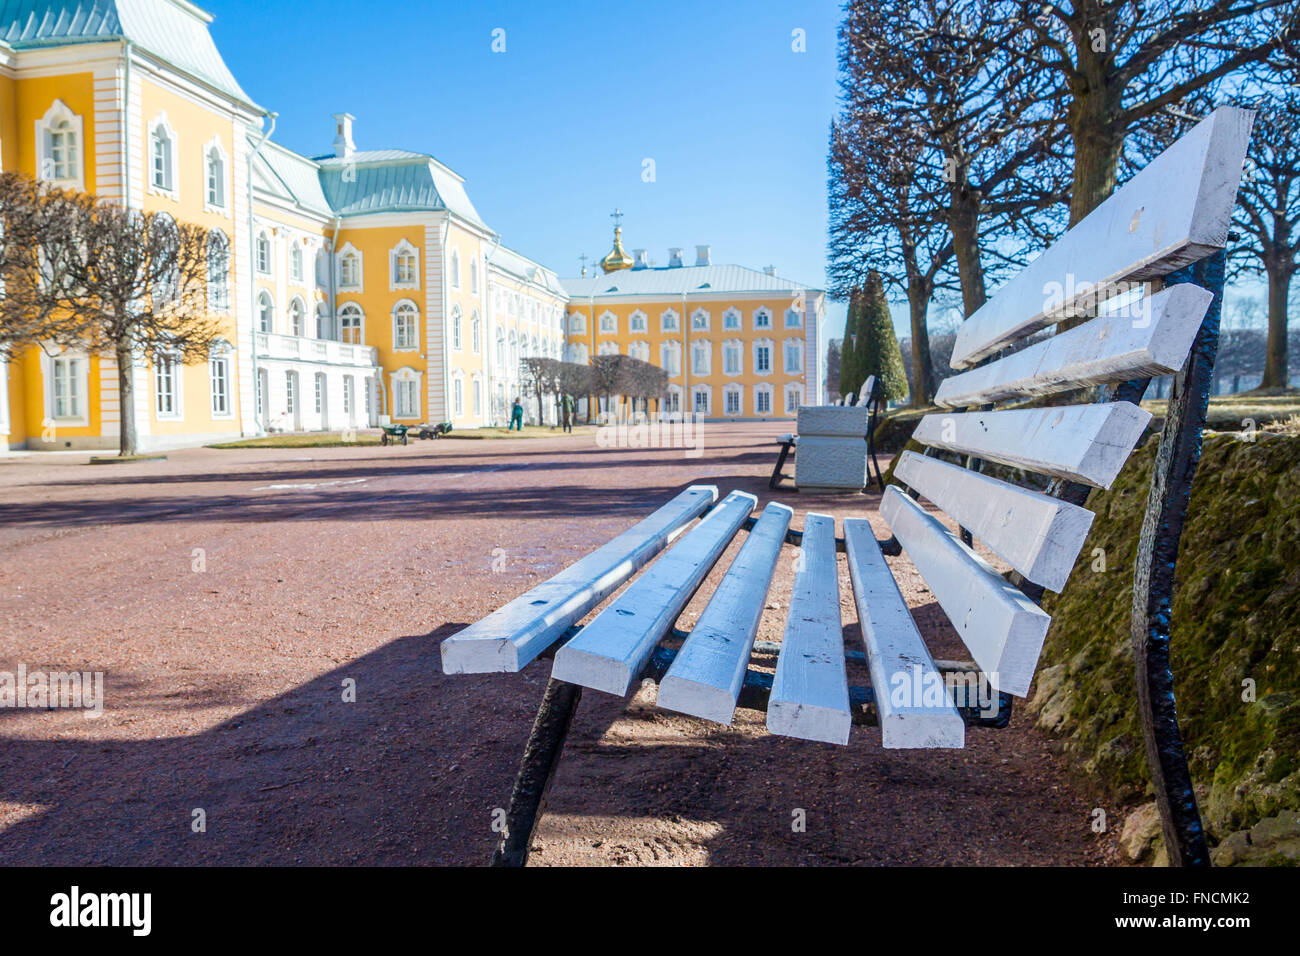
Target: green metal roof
column 172, row 30
column 393, row 181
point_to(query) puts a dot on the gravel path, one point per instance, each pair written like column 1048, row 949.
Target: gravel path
column 231, row 598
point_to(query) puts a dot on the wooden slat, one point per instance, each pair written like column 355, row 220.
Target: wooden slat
column 902, row 670
column 1175, row 211
column 1038, row 535
column 509, row 638
column 705, row 677
column 865, row 395
column 810, row 692
column 1087, row 443
column 610, row 652
column 1002, row 628
column 1149, row 341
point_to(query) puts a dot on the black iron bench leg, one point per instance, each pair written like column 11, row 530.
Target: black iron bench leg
column 541, row 757
column 871, row 451
column 775, row 480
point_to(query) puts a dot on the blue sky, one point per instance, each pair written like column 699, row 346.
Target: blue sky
column 552, row 134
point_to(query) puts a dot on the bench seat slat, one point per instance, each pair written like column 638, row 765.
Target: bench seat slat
column 707, row 673
column 1109, row 348
column 1038, row 535
column 610, row 652
column 512, row 636
column 810, row 691
column 1002, row 628
column 1085, row 443
column 1175, row 211
column 899, row 661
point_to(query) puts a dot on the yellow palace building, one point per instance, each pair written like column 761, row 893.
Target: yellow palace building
column 737, row 343
column 355, row 287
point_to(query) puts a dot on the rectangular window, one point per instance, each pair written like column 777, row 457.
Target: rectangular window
column 407, row 399
column 792, row 401
column 347, row 394
column 219, row 372
column 793, row 319
column 290, row 392
column 731, row 360
column 700, row 360
column 763, row 402
column 762, row 359
column 702, row 402
column 404, row 270
column 792, row 357
column 167, row 386
column 68, row 398
column 320, row 392
column 458, row 397
column 762, row 320
column 733, row 403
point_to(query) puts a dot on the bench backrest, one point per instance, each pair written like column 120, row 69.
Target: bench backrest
column 1110, row 266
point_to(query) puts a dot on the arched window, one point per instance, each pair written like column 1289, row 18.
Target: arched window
column 478, row 396
column 351, row 324
column 501, row 347
column 668, row 321
column 405, row 263
column 763, row 318
column 405, row 322
column 263, row 253
column 297, row 317
column 349, row 268
column 608, row 323
column 214, row 175
column 455, row 328
column 458, row 394
column 59, row 143
column 475, row 331
column 218, row 271
column 265, row 312
column 455, row 269
column 166, row 236
column 473, row 282
column 637, row 321
column 162, row 156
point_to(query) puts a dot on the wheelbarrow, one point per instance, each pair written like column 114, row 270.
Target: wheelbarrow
column 393, row 434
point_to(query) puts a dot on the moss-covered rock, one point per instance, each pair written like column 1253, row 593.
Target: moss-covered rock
column 1235, row 642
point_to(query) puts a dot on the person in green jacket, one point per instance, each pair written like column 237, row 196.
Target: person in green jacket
column 517, row 416
column 566, row 404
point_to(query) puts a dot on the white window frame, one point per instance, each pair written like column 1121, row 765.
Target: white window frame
column 698, row 391
column 670, row 321
column 219, row 371
column 732, row 320
column 352, row 310
column 221, row 204
column 476, row 333
column 736, row 348
column 59, row 113
column 473, row 275
column 672, row 365
column 577, row 323
column 406, row 307
column 760, row 344
column 795, row 391
column 265, row 307
column 350, row 251
column 172, row 362
column 218, row 291
column 171, row 188
column 405, row 377
column 81, row 380
column 640, row 349
column 638, row 321
column 458, row 394
column 263, row 237
column 297, row 262
column 798, row 318
column 701, row 320
column 762, row 392
column 457, row 332
column 608, row 323
column 476, row 394
column 455, row 269
column 766, row 315
column 730, row 392
column 706, row 348
column 404, row 249
column 294, row 330
column 786, row 348
column 320, row 385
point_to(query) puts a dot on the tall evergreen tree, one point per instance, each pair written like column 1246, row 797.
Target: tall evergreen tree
column 876, row 350
column 850, row 380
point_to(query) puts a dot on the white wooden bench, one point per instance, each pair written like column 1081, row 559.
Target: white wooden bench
column 1166, row 229
column 839, row 444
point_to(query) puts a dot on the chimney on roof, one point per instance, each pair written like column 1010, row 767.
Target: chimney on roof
column 702, row 256
column 674, row 257
column 639, row 259
column 343, row 145
column 769, row 270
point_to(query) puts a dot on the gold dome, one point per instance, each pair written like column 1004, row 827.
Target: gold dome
column 617, row 258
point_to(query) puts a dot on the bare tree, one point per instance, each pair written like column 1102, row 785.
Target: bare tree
column 132, row 282
column 36, row 225
column 1268, row 214
column 1122, row 62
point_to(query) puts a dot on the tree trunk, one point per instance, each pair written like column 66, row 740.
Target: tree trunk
column 918, row 302
column 1276, row 373
column 126, row 401
column 1094, row 117
column 963, row 222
